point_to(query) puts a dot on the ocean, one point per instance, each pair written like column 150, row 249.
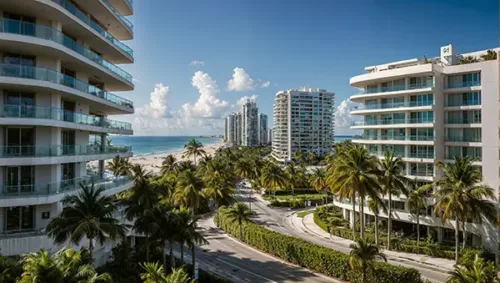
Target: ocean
column 149, row 145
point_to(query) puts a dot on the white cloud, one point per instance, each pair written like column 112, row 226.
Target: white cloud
column 343, row 117
column 158, row 104
column 244, row 99
column 241, row 81
column 265, row 84
column 208, row 105
column 197, row 63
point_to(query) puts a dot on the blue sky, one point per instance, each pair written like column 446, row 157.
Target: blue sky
column 287, row 43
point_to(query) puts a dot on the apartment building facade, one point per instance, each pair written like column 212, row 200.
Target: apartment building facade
column 246, row 127
column 58, row 71
column 262, row 126
column 430, row 110
column 303, row 120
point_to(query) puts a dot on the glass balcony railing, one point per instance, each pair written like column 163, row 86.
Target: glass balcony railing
column 420, row 121
column 37, row 112
column 463, row 139
column 70, row 7
column 59, row 150
column 397, row 88
column 48, row 33
column 64, row 186
column 473, row 120
column 422, row 173
column 473, row 157
column 34, row 73
column 392, row 122
column 120, row 16
column 395, row 105
column 429, row 155
column 395, row 138
column 463, row 84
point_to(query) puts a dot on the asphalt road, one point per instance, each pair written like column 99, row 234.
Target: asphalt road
column 277, row 219
column 240, row 263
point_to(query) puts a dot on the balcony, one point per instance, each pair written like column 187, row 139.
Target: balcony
column 40, row 74
column 392, row 122
column 37, row 112
column 124, row 20
column 425, row 155
column 463, row 84
column 382, row 106
column 463, row 139
column 67, row 5
column 395, row 138
column 473, row 120
column 48, row 33
column 59, row 150
column 396, row 88
column 421, row 173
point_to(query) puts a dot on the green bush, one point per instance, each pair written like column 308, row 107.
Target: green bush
column 315, row 257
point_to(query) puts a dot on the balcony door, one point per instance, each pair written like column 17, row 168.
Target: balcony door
column 69, row 110
column 19, row 104
column 19, row 179
column 68, row 142
column 19, row 219
column 18, row 24
column 17, row 65
column 20, row 142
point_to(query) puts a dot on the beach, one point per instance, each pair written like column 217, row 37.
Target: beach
column 153, row 162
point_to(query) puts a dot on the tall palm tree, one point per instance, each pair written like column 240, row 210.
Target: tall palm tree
column 155, row 273
column 168, row 165
column 193, row 148
column 184, row 165
column 375, row 208
column 417, row 200
column 189, row 191
column 119, row 166
column 166, row 223
column 393, row 182
column 460, row 190
column 238, row 213
column 244, row 169
column 64, row 266
column 88, row 214
column 362, row 254
column 221, row 192
column 187, row 232
column 318, row 181
column 273, row 177
column 477, row 272
column 291, row 176
column 490, row 55
column 312, row 157
column 354, row 174
column 300, row 157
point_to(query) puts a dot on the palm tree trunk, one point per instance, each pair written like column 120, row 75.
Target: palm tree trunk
column 362, row 217
column 147, row 247
column 91, row 250
column 376, row 229
column 164, row 255
column 457, row 228
column 172, row 259
column 418, row 231
column 353, row 199
column 193, row 258
column 241, row 231
column 182, row 252
column 389, row 222
column 464, row 231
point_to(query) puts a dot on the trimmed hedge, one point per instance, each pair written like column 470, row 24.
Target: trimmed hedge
column 315, row 257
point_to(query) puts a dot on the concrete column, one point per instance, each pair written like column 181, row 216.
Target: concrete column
column 440, row 234
column 55, row 100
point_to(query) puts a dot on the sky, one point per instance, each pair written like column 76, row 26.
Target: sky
column 197, row 60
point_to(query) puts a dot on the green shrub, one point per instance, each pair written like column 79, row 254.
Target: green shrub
column 316, row 257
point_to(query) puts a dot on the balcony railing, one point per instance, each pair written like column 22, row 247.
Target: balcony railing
column 463, row 139
column 392, row 122
column 422, row 173
column 64, row 186
column 473, row 120
column 120, row 16
column 397, row 88
column 48, row 33
column 463, row 84
column 473, row 157
column 429, row 155
column 59, row 150
column 34, row 73
column 70, row 7
column 395, row 138
column 37, row 112
column 394, row 105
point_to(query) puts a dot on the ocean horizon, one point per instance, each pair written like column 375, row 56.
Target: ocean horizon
column 153, row 145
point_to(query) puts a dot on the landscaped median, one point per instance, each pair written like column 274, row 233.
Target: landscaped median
column 315, row 257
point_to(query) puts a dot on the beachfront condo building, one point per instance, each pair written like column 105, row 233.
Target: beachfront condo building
column 58, row 73
column 303, row 120
column 262, row 134
column 429, row 110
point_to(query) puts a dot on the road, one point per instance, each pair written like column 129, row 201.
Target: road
column 240, row 263
column 278, row 219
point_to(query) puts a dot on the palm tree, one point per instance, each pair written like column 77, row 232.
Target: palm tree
column 490, row 55
column 154, row 273
column 477, row 272
column 459, row 190
column 244, row 169
column 64, row 266
column 119, row 166
column 393, row 182
column 168, row 165
column 193, row 148
column 417, row 199
column 184, row 166
column 238, row 213
column 291, row 176
column 375, row 208
column 187, row 232
column 318, row 181
column 189, row 191
column 272, row 177
column 468, row 60
column 9, row 269
column 355, row 174
column 166, row 222
column 221, row 192
column 300, row 157
column 312, row 157
column 362, row 254
column 88, row 214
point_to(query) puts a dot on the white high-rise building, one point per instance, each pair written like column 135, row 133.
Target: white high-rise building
column 303, row 120
column 430, row 110
column 58, row 72
column 231, row 126
column 249, row 124
column 263, row 137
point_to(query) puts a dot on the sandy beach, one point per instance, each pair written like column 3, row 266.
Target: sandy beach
column 153, row 162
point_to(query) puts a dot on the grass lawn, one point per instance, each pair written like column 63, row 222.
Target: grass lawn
column 302, row 214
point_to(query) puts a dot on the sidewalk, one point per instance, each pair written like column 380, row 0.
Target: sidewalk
column 433, row 262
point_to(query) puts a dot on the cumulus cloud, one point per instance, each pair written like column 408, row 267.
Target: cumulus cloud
column 208, row 105
column 197, row 63
column 343, row 117
column 241, row 81
column 244, row 99
column 158, row 103
column 265, row 84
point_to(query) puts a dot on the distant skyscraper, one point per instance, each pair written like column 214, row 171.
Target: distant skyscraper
column 249, row 124
column 263, row 137
column 303, row 120
column 270, row 134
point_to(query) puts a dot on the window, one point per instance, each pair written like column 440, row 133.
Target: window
column 19, row 218
column 398, row 150
column 422, row 117
column 422, row 134
column 421, row 151
column 421, row 100
column 18, row 24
